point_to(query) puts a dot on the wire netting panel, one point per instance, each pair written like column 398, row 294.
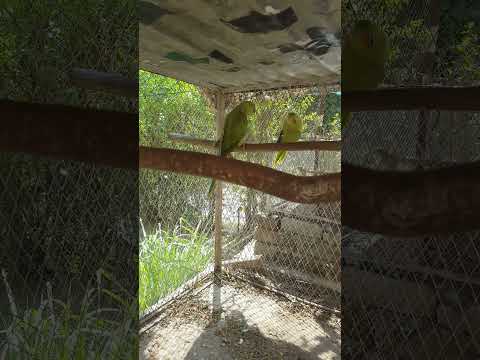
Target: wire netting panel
column 40, row 47
column 68, row 231
column 390, row 140
column 414, row 297
column 62, row 192
column 64, row 226
column 291, row 247
column 431, row 42
column 177, row 230
column 177, row 215
column 411, row 297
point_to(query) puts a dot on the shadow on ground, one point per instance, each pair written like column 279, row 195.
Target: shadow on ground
column 232, row 338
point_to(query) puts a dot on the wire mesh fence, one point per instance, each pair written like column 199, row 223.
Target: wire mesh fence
column 292, row 247
column 176, row 239
column 292, row 250
column 48, row 243
column 43, row 41
column 413, row 297
column 69, row 238
column 431, row 42
column 410, row 297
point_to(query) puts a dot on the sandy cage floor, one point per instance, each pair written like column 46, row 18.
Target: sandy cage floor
column 255, row 324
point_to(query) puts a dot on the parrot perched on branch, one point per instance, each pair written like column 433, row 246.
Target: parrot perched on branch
column 364, row 54
column 291, row 131
column 235, row 130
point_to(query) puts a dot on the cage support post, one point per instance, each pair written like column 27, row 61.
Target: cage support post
column 428, row 61
column 220, row 120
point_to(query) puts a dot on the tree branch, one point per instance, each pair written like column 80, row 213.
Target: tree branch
column 70, row 133
column 269, row 147
column 413, row 98
column 300, row 189
column 411, row 203
column 111, row 83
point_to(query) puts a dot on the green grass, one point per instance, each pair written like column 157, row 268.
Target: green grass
column 168, row 259
column 54, row 331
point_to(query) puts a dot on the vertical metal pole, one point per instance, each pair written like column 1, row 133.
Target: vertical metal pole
column 428, row 61
column 220, row 121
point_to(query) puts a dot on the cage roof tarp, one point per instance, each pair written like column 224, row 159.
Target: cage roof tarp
column 242, row 45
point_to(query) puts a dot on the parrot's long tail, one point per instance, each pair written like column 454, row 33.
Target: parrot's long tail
column 280, row 158
column 346, row 117
column 211, row 188
column 212, row 184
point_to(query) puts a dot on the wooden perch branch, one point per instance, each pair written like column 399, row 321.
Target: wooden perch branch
column 269, row 147
column 413, row 98
column 111, row 83
column 300, row 189
column 411, row 203
column 69, row 133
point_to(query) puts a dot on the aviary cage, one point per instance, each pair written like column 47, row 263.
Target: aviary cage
column 268, row 284
column 410, row 175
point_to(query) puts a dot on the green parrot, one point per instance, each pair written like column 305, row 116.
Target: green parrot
column 235, row 130
column 364, row 54
column 291, row 131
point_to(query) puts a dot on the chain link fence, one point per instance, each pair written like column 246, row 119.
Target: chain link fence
column 68, row 230
column 272, row 250
column 43, row 41
column 292, row 247
column 176, row 228
column 416, row 297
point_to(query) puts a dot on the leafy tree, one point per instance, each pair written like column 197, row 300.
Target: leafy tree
column 331, row 119
column 168, row 106
column 458, row 47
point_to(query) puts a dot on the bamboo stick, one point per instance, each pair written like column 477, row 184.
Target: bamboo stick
column 111, row 83
column 220, row 121
column 268, row 147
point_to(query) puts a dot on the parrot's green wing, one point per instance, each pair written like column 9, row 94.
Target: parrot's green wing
column 280, row 158
column 292, row 129
column 212, row 186
column 235, row 130
column 281, row 154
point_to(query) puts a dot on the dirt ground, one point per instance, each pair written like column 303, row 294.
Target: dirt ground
column 255, row 324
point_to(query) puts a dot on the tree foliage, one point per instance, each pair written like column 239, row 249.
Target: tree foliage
column 457, row 46
column 459, row 41
column 170, row 106
column 42, row 41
